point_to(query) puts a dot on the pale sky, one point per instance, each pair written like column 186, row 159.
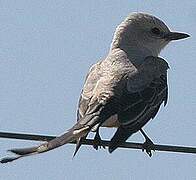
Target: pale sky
column 46, row 49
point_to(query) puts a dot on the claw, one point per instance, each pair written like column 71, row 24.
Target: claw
column 148, row 145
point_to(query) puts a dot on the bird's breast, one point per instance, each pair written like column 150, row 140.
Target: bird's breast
column 112, row 122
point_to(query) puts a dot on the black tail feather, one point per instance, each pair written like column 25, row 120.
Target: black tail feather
column 54, row 143
column 23, row 151
column 8, row 159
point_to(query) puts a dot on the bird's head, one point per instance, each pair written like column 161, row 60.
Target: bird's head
column 145, row 32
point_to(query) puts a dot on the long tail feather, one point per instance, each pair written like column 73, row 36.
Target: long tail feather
column 54, row 143
column 23, row 151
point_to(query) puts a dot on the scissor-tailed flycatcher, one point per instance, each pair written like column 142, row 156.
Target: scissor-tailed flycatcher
column 125, row 89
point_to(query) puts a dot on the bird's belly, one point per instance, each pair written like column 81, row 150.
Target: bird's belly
column 111, row 122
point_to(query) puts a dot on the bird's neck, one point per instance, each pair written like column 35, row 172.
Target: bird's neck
column 136, row 53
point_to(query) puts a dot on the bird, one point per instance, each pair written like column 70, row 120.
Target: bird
column 124, row 90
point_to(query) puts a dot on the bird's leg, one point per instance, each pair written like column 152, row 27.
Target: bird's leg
column 148, row 145
column 97, row 140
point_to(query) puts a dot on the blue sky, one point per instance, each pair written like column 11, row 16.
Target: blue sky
column 46, row 49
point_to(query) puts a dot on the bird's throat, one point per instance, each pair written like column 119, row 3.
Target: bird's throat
column 137, row 55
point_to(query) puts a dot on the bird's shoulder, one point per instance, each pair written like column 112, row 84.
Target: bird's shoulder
column 107, row 72
column 147, row 89
column 118, row 62
column 154, row 65
column 103, row 79
column 152, row 68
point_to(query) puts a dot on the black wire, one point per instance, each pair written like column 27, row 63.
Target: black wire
column 36, row 137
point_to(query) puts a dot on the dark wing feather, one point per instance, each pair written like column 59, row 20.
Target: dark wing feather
column 139, row 107
column 149, row 100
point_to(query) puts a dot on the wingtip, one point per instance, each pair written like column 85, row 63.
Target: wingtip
column 111, row 149
column 75, row 152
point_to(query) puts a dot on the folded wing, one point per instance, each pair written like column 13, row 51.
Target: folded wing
column 146, row 91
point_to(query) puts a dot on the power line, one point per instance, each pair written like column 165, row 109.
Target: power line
column 130, row 145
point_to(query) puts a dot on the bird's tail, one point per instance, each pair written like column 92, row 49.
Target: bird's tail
column 67, row 137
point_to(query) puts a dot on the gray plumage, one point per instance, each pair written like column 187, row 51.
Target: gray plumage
column 124, row 90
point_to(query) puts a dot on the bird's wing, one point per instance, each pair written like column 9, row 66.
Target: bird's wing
column 87, row 91
column 102, row 89
column 85, row 97
column 146, row 91
column 104, row 83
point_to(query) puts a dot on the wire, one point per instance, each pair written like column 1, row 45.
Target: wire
column 130, row 145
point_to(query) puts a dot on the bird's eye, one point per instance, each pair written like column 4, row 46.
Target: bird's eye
column 156, row 31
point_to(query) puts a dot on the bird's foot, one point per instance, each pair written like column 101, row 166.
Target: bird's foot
column 97, row 142
column 148, row 146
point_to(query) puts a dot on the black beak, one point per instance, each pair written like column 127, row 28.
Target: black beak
column 175, row 36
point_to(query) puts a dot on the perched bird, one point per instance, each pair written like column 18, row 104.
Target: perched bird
column 124, row 90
